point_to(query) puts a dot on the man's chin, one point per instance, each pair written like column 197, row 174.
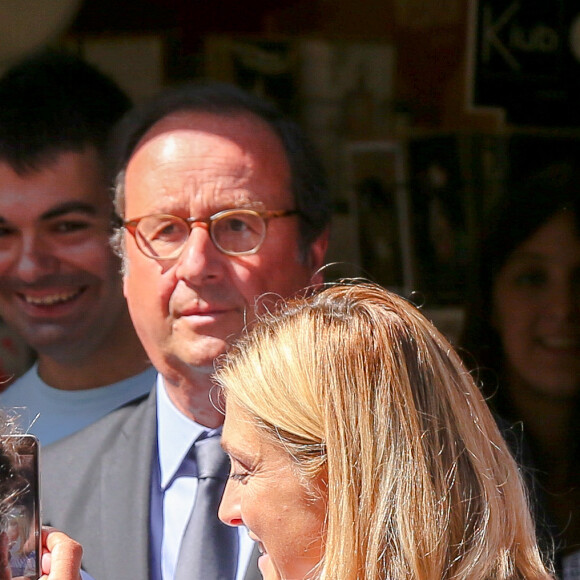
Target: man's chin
column 49, row 341
column 199, row 358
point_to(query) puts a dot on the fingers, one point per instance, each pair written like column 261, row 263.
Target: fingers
column 62, row 556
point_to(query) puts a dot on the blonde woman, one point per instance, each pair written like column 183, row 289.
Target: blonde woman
column 361, row 449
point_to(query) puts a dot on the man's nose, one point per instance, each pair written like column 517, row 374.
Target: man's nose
column 200, row 260
column 33, row 258
column 229, row 511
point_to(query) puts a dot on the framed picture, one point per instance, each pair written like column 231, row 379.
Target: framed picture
column 376, row 181
column 440, row 206
column 266, row 67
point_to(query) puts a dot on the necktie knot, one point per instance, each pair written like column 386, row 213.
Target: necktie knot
column 211, row 458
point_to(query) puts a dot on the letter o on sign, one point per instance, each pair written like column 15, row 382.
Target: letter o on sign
column 575, row 37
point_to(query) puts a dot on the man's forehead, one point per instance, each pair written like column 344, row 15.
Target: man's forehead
column 224, row 124
column 71, row 179
column 210, row 156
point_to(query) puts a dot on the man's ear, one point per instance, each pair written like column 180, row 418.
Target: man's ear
column 316, row 255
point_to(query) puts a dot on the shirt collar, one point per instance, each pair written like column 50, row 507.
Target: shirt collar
column 176, row 434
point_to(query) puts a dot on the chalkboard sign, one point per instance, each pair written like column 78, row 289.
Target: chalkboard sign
column 527, row 60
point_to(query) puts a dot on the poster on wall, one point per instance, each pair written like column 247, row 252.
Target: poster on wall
column 265, row 67
column 439, row 216
column 526, row 60
column 376, row 177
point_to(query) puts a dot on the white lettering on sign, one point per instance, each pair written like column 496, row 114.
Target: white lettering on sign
column 539, row 39
column 490, row 36
column 575, row 37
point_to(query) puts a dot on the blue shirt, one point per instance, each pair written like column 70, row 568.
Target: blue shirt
column 52, row 414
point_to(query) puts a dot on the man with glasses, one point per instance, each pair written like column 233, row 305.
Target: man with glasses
column 224, row 209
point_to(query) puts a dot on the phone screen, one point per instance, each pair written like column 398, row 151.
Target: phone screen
column 21, row 520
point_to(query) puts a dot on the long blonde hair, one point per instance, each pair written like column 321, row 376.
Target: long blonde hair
column 357, row 385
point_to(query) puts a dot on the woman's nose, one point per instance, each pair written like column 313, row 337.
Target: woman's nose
column 229, row 511
column 564, row 300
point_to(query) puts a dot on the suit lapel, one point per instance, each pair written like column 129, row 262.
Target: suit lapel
column 125, row 487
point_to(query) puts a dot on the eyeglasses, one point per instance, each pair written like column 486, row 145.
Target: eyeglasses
column 235, row 232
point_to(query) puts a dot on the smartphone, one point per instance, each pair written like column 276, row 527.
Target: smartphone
column 22, row 521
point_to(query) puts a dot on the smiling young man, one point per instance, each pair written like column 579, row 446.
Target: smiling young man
column 225, row 207
column 60, row 286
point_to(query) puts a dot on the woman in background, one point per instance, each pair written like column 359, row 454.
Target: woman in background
column 522, row 332
column 362, row 449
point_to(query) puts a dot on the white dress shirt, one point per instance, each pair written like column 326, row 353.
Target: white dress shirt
column 176, row 434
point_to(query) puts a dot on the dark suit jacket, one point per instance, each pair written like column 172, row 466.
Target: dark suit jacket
column 95, row 487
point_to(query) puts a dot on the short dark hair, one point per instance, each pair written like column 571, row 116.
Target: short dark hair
column 53, row 101
column 309, row 185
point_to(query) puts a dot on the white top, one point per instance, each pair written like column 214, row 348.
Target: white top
column 52, row 414
column 175, row 435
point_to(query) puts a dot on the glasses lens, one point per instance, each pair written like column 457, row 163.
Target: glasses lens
column 239, row 232
column 162, row 236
